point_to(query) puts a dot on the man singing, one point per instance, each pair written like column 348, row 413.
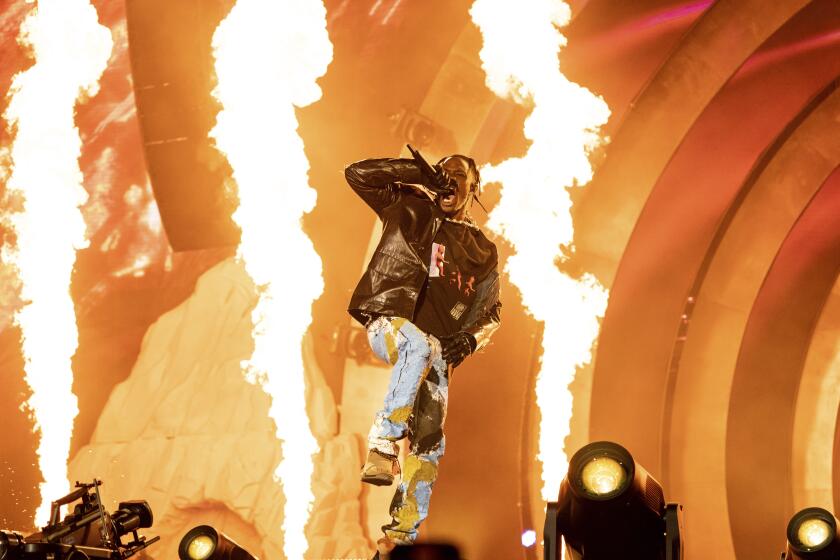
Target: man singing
column 429, row 298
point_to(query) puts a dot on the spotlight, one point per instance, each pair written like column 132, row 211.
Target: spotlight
column 610, row 507
column 602, row 477
column 206, row 543
column 812, row 534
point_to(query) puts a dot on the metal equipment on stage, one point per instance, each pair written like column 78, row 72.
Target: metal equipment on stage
column 610, row 507
column 88, row 531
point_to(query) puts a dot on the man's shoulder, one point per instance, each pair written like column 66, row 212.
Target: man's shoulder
column 481, row 237
column 485, row 243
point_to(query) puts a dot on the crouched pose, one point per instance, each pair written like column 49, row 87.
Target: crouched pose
column 429, row 298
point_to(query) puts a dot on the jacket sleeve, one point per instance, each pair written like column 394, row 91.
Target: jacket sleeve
column 485, row 314
column 377, row 181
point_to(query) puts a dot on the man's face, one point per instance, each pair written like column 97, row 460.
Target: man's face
column 458, row 169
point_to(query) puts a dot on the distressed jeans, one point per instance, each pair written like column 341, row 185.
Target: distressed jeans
column 415, row 407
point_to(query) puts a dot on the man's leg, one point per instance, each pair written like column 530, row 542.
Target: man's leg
column 401, row 344
column 410, row 505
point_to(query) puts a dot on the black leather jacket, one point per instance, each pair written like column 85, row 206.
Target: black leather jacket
column 398, row 269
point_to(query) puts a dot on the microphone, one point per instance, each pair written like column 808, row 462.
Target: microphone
column 429, row 172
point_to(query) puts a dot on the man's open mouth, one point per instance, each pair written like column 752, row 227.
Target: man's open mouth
column 448, row 199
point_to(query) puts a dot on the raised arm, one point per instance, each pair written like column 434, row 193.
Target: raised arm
column 376, row 180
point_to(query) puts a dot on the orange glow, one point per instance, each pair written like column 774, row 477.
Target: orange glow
column 520, row 58
column 71, row 50
column 268, row 56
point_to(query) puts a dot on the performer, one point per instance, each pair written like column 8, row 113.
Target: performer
column 429, row 298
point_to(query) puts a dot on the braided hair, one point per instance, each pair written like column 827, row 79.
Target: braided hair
column 472, row 167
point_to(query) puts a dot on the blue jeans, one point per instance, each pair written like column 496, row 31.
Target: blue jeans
column 415, row 407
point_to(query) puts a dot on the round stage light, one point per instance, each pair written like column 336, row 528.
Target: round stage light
column 201, row 547
column 603, row 475
column 813, row 532
column 206, row 543
column 610, row 507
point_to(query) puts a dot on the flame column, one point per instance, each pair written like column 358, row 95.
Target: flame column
column 520, row 57
column 70, row 50
column 268, row 56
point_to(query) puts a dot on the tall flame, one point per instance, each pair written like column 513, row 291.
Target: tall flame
column 257, row 130
column 71, row 50
column 520, row 58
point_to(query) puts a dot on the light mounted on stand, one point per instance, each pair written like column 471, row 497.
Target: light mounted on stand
column 206, row 543
column 812, row 534
column 611, row 507
column 87, row 531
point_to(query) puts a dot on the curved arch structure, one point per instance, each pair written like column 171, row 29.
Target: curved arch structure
column 818, row 399
column 710, row 54
column 709, row 250
column 774, row 346
column 669, row 244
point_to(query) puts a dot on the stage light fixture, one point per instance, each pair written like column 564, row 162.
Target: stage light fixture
column 610, row 507
column 87, row 531
column 200, row 547
column 812, row 535
column 206, row 543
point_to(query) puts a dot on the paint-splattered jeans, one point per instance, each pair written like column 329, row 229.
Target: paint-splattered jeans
column 415, row 407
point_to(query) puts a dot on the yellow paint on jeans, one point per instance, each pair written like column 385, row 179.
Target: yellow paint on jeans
column 417, row 470
column 400, row 415
column 406, row 517
column 391, row 337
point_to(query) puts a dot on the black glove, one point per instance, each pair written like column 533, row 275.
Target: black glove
column 456, row 347
column 442, row 183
